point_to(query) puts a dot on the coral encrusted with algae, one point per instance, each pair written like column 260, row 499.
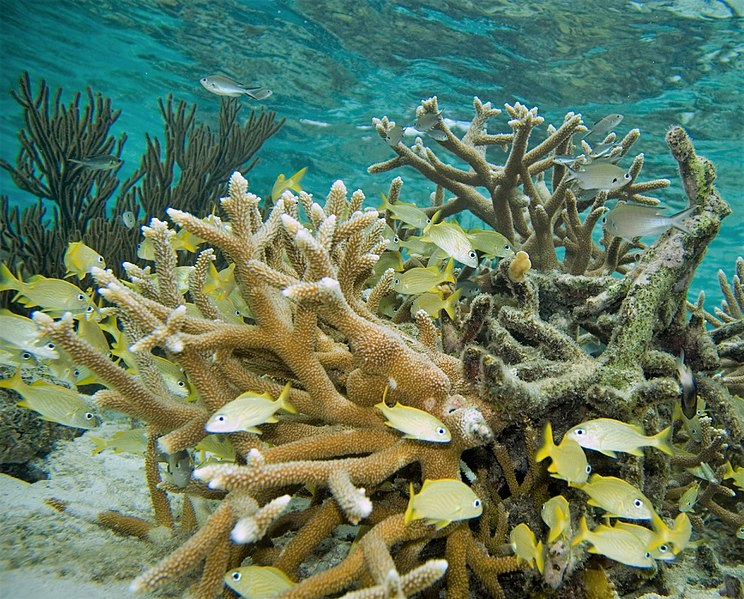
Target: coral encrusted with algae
column 515, row 356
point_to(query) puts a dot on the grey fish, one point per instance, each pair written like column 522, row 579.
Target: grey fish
column 179, row 467
column 224, row 86
column 426, row 121
column 634, row 220
column 689, row 386
column 437, row 134
column 128, row 219
column 394, row 136
column 102, row 162
column 605, row 124
column 599, row 175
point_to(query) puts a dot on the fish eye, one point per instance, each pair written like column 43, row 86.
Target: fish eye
column 89, row 309
column 26, row 355
column 428, row 220
column 441, row 431
column 100, row 259
column 236, row 576
column 626, row 176
column 638, row 503
column 663, row 548
column 76, row 372
column 507, row 247
column 614, row 179
column 588, row 469
column 396, row 239
column 604, row 220
column 396, row 281
column 580, row 431
column 472, row 254
column 181, row 383
column 89, row 416
column 647, row 555
column 80, row 296
column 50, row 345
column 477, row 503
column 220, row 418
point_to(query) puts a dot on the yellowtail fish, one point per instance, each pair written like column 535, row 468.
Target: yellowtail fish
column 52, row 402
column 526, row 547
column 414, row 423
column 678, row 536
column 568, row 459
column 394, row 136
column 662, row 552
column 442, row 501
column 282, row 183
column 79, row 259
column 689, row 386
column 51, row 295
column 420, row 279
column 21, row 333
column 617, row 544
column 605, row 124
column 490, row 243
column 556, row 514
column 617, row 497
column 102, row 162
column 689, row 498
column 608, row 436
column 249, row 410
column 410, row 214
column 452, row 239
column 133, row 441
column 736, row 474
column 599, row 175
column 629, row 221
column 434, row 302
column 258, row 582
column 224, row 86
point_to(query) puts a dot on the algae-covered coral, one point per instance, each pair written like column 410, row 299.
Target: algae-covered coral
column 559, row 332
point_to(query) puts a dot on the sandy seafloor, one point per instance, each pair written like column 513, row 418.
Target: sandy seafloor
column 48, row 554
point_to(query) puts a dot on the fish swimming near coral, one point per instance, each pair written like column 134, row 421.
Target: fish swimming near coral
column 258, row 582
column 689, row 387
column 646, row 535
column 414, row 423
column 282, row 183
column 442, row 501
column 128, row 218
column 51, row 295
column 452, row 239
column 490, row 243
column 52, row 402
column 394, row 136
column 178, row 467
column 526, row 547
column 617, row 497
column 409, row 214
column 248, row 411
column 556, row 514
column 599, row 175
column 224, row 86
column 101, row 162
column 132, row 441
column 568, row 458
column 608, row 436
column 689, row 498
column 421, row 279
column 426, row 120
column 20, row 334
column 434, row 302
column 678, row 536
column 79, row 259
column 605, row 124
column 629, row 221
column 616, row 543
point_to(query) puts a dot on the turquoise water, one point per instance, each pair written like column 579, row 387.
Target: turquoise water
column 334, row 65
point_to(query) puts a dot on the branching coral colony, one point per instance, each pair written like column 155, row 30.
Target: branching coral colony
column 554, row 335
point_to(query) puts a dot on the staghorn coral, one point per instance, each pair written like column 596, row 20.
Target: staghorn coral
column 304, row 272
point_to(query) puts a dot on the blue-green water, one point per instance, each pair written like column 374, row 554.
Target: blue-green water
column 335, row 65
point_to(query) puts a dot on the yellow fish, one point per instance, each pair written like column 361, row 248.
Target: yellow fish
column 258, row 582
column 20, row 333
column 433, row 303
column 420, row 279
column 678, row 536
column 409, row 214
column 450, row 237
column 219, row 284
column 219, row 446
column 442, row 501
column 557, row 515
column 491, row 243
column 526, row 547
column 79, row 259
column 52, row 402
column 617, row 497
column 691, row 425
column 52, row 295
column 282, row 183
column 689, row 498
column 415, row 423
column 132, row 441
column 662, row 552
column 247, row 411
column 736, row 474
column 569, row 461
column 608, row 436
column 616, row 543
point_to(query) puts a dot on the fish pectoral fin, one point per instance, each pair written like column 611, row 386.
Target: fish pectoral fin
column 608, row 453
column 253, row 429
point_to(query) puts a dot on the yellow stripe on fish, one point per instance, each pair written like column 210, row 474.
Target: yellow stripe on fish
column 249, row 410
column 442, row 501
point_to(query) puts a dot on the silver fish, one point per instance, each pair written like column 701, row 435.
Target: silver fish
column 689, row 387
column 127, row 217
column 605, row 124
column 427, row 120
column 599, row 175
column 629, row 221
column 394, row 136
column 102, row 162
column 224, row 86
column 179, row 467
column 437, row 134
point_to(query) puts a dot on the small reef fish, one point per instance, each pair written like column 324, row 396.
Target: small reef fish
column 608, row 436
column 249, row 410
column 605, row 124
column 616, row 543
column 689, row 498
column 568, row 459
column 178, row 467
column 132, row 441
column 102, row 162
column 441, row 501
column 79, row 259
column 282, row 183
column 128, row 218
column 52, row 402
column 434, row 302
column 219, row 446
column 426, row 120
column 599, row 175
column 646, row 535
column 174, row 378
column 224, row 86
column 692, row 425
column 491, row 243
column 617, row 497
column 48, row 294
column 409, row 214
column 21, row 333
column 452, row 239
column 526, row 547
column 258, row 582
column 394, row 136
column 420, row 279
column 735, row 474
column 437, row 134
column 629, row 221
column 414, row 423
column 556, row 514
column 678, row 536
column 689, row 386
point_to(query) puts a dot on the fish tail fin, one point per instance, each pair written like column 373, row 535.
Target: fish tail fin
column 8, row 280
column 23, row 404
column 663, row 440
column 676, row 219
column 451, row 303
column 539, row 557
column 583, row 533
column 258, row 93
column 409, row 510
column 432, row 221
column 449, row 270
column 548, row 444
column 12, row 382
column 294, row 180
column 283, row 400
